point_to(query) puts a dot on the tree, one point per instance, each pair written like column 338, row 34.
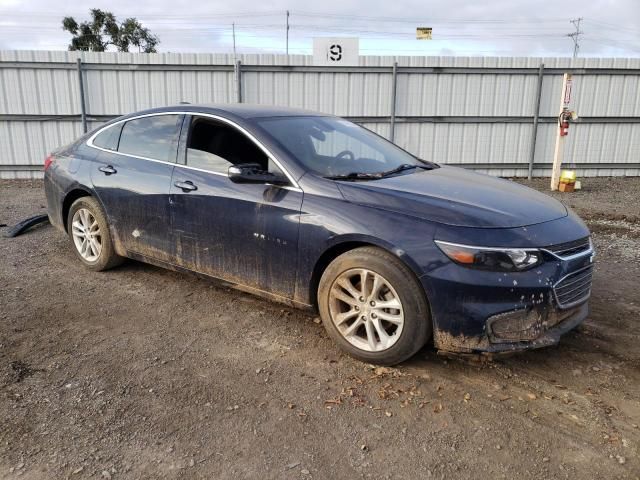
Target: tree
column 103, row 30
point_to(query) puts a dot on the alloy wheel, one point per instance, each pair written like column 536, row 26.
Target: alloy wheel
column 366, row 310
column 86, row 235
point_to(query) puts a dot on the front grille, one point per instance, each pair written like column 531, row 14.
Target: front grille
column 570, row 248
column 574, row 288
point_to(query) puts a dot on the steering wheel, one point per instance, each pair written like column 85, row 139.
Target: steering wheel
column 343, row 155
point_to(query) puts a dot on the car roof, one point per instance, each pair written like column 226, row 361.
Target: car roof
column 241, row 110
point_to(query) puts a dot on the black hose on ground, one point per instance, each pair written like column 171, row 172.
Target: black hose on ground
column 25, row 225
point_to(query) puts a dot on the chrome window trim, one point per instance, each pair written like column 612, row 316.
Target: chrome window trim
column 294, row 185
column 285, row 187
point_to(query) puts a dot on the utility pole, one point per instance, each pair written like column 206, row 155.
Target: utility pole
column 287, row 32
column 233, row 27
column 575, row 36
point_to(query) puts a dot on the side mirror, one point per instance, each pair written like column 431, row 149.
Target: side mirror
column 253, row 173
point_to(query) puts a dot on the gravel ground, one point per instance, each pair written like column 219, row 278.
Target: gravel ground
column 144, row 373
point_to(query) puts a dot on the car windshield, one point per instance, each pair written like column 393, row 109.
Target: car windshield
column 336, row 148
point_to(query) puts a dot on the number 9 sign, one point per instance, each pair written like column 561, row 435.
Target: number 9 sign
column 335, row 51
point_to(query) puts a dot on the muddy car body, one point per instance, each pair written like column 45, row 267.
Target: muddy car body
column 273, row 201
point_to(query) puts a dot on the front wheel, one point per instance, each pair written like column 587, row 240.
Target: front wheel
column 373, row 306
column 89, row 232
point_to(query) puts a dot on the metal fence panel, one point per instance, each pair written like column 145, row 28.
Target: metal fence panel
column 473, row 111
column 467, row 143
column 465, row 95
column 27, row 143
column 38, row 92
column 118, row 92
column 345, row 94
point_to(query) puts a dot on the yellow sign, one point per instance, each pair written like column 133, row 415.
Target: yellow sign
column 424, row 33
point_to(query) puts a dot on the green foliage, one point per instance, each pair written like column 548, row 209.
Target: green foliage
column 103, row 30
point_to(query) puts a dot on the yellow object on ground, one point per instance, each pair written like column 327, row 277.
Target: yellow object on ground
column 566, row 187
column 568, row 176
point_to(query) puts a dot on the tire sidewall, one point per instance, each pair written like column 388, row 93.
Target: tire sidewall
column 417, row 322
column 106, row 252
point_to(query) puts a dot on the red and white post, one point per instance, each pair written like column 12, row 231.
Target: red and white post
column 561, row 131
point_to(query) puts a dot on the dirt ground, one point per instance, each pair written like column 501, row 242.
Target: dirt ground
column 144, row 373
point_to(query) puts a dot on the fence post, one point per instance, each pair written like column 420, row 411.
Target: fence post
column 238, row 72
column 536, row 116
column 394, row 85
column 83, row 112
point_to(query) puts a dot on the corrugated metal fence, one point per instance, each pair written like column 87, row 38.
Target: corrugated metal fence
column 473, row 111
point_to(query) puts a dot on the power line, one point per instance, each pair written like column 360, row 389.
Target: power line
column 613, row 43
column 462, row 33
column 60, row 14
column 413, row 20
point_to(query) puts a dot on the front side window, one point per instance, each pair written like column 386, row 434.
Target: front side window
column 109, row 137
column 215, row 146
column 152, row 137
column 332, row 146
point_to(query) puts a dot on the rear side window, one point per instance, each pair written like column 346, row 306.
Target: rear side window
column 152, row 137
column 108, row 138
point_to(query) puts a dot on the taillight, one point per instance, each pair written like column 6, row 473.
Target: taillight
column 48, row 161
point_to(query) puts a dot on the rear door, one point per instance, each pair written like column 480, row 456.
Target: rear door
column 244, row 233
column 131, row 177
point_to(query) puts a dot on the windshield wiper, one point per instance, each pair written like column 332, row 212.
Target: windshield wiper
column 378, row 175
column 401, row 168
column 356, row 176
column 408, row 166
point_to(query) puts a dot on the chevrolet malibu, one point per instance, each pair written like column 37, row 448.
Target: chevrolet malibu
column 320, row 213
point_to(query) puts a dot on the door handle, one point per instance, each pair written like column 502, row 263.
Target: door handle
column 108, row 170
column 186, row 186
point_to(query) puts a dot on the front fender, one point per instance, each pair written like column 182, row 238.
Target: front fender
column 361, row 238
column 326, row 223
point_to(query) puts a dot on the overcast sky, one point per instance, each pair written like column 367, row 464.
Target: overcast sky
column 460, row 27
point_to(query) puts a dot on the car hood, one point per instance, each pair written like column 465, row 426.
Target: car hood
column 455, row 196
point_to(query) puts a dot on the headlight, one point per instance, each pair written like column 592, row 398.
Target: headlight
column 489, row 258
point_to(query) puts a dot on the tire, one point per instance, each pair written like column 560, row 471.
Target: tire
column 400, row 339
column 96, row 259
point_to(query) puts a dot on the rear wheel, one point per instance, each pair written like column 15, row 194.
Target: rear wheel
column 90, row 236
column 374, row 308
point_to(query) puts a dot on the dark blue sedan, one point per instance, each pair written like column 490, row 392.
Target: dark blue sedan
column 318, row 212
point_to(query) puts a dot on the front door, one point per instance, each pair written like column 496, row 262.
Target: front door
column 131, row 176
column 243, row 233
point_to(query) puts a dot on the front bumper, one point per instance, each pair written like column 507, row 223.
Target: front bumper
column 546, row 329
column 479, row 311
